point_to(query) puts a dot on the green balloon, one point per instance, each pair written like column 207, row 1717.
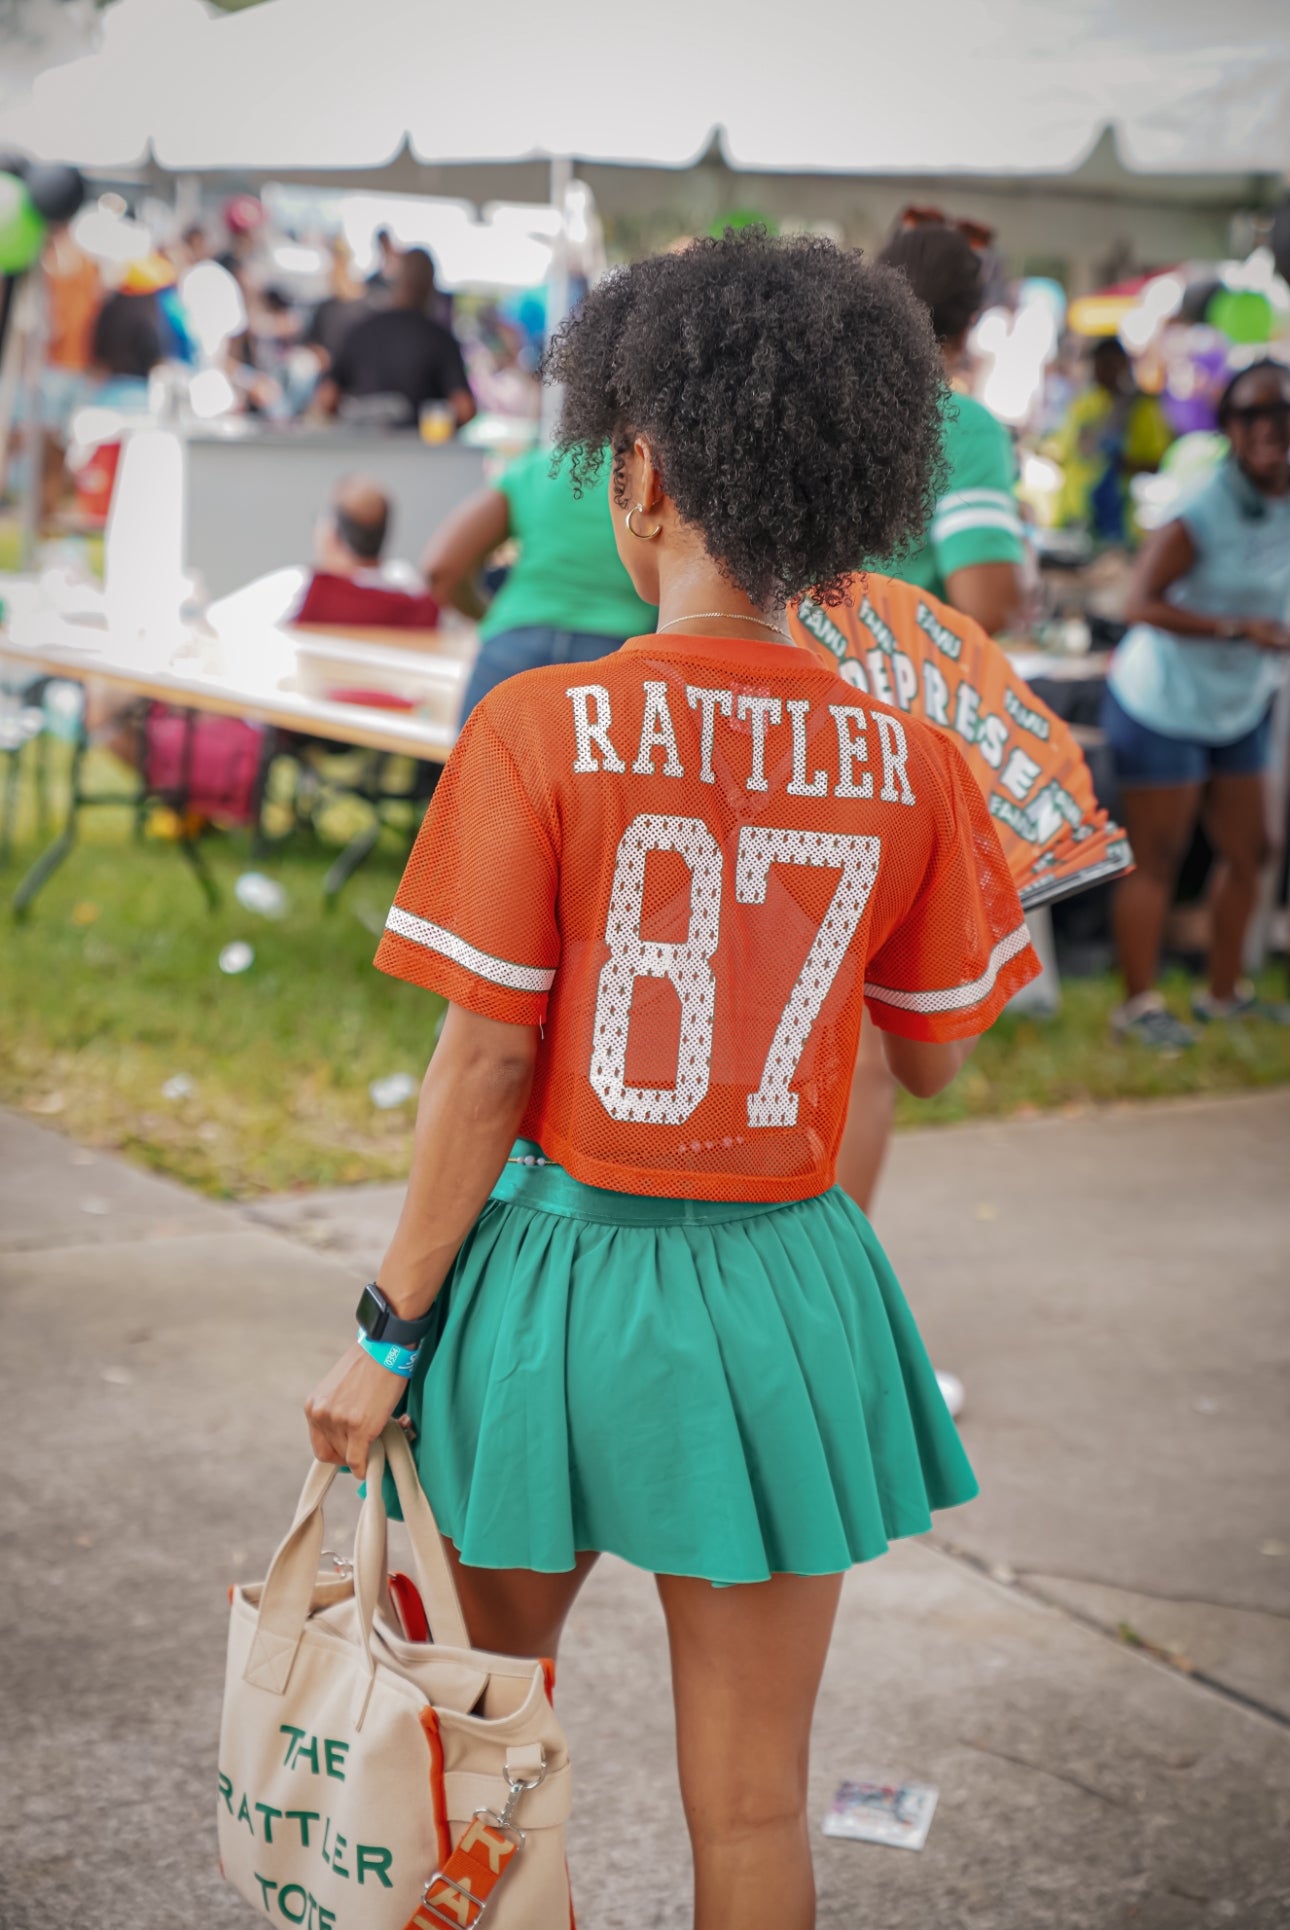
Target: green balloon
column 743, row 218
column 1243, row 315
column 21, row 228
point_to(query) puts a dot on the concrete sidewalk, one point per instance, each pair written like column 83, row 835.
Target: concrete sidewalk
column 1110, row 1287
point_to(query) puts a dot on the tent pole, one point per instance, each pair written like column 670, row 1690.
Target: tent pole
column 557, row 298
column 188, row 201
column 33, row 424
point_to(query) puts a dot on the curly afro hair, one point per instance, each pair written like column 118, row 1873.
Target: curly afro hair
column 790, row 393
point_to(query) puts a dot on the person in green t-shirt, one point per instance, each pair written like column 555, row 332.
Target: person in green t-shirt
column 566, row 599
column 971, row 556
column 972, row 553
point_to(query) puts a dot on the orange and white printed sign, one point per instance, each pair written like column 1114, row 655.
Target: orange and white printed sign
column 910, row 650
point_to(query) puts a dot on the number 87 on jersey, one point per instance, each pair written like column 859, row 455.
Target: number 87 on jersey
column 688, row 963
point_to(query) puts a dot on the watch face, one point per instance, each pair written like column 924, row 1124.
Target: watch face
column 372, row 1313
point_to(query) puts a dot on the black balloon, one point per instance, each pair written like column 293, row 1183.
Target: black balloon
column 56, row 189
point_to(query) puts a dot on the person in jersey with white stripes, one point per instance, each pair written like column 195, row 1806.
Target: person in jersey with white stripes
column 658, row 893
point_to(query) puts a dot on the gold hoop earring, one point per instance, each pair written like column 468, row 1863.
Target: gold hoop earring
column 645, row 535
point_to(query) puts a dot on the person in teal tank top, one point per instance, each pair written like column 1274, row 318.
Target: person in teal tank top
column 1188, row 708
column 566, row 598
column 658, row 895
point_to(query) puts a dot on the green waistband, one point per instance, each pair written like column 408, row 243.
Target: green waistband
column 529, row 1179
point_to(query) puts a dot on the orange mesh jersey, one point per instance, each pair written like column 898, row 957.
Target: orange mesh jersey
column 915, row 652
column 694, row 863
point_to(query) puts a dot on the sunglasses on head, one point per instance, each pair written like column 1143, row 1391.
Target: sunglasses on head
column 1275, row 413
column 975, row 233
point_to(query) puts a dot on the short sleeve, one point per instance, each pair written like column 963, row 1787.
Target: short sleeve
column 962, row 949
column 450, row 369
column 342, row 369
column 462, row 380
column 1201, row 514
column 977, row 520
column 474, row 917
column 315, row 335
column 516, row 483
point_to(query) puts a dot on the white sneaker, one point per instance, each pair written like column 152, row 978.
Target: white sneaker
column 951, row 1393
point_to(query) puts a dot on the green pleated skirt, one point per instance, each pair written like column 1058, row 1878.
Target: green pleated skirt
column 704, row 1388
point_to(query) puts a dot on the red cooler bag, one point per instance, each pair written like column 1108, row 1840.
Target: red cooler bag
column 203, row 762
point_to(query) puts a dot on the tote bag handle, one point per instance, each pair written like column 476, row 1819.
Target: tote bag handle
column 434, row 1572
column 289, row 1586
column 288, row 1590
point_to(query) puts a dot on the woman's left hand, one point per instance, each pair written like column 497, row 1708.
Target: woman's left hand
column 350, row 1407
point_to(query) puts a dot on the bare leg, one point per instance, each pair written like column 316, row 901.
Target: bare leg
column 1236, row 820
column 514, row 1611
column 1158, row 819
column 746, row 1666
column 868, row 1127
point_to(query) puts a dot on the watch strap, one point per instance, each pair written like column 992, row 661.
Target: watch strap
column 378, row 1320
column 389, row 1355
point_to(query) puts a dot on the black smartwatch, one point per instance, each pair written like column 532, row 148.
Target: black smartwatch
column 377, row 1319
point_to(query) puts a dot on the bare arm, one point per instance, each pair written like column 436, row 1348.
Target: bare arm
column 1169, row 555
column 463, row 405
column 924, row 1068
column 472, row 1101
column 453, row 555
column 473, row 1098
column 994, row 594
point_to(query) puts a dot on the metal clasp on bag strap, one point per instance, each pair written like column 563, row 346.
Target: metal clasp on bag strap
column 506, row 1820
column 342, row 1568
column 464, row 1922
column 505, row 1825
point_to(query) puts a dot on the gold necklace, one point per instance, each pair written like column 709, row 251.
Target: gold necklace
column 725, row 616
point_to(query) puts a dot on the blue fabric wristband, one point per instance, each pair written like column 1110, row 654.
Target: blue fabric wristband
column 395, row 1359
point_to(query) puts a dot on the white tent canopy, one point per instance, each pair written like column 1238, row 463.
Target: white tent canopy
column 985, row 86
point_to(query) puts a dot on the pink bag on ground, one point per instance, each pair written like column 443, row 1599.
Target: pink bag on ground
column 206, row 763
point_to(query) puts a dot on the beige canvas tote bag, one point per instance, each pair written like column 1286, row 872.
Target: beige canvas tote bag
column 369, row 1782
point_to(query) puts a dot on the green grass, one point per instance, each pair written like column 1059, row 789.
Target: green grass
column 113, row 986
column 1026, row 1065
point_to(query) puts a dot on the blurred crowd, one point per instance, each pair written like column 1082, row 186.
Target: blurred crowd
column 208, row 322
column 1089, row 396
column 212, row 310
column 1115, row 471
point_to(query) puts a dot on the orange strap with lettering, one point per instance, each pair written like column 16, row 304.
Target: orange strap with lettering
column 456, row 1895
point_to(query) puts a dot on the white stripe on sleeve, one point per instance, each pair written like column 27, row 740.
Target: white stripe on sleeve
column 419, row 931
column 980, row 498
column 956, row 998
column 964, row 520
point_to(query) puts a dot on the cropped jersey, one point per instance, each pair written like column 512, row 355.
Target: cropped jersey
column 693, row 864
